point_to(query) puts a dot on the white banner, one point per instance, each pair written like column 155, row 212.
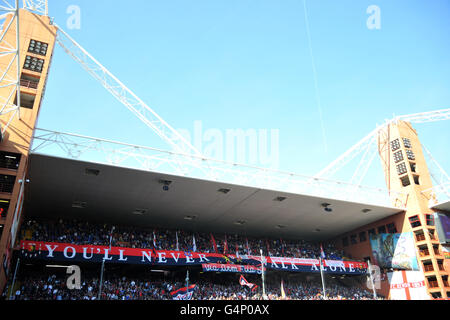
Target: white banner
column 407, row 285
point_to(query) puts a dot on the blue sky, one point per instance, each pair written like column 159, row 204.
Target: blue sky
column 247, row 64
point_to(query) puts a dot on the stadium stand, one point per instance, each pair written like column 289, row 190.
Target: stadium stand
column 82, row 232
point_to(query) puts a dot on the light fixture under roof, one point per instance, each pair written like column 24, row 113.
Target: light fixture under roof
column 79, row 204
column 165, row 183
column 224, row 190
column 326, row 207
column 280, row 226
column 140, row 211
column 279, row 199
column 366, row 210
column 240, row 222
column 190, row 218
column 92, row 172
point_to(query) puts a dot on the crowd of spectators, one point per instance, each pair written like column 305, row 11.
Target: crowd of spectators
column 53, row 287
column 83, row 233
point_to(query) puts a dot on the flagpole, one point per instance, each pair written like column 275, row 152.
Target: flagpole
column 371, row 280
column 101, row 280
column 187, row 278
column 14, row 278
column 323, row 280
column 262, row 274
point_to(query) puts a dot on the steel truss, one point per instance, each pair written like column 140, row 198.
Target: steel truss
column 36, row 6
column 10, row 54
column 151, row 159
column 440, row 192
column 367, row 143
column 124, row 95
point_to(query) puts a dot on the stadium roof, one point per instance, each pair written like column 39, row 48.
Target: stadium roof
column 67, row 188
column 443, row 206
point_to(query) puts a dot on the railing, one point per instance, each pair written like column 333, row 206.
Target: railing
column 428, row 267
column 420, row 237
column 433, row 284
column 29, row 84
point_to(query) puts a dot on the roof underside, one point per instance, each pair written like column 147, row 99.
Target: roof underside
column 443, row 206
column 115, row 193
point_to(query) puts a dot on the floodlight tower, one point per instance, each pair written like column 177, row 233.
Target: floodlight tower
column 406, row 170
column 27, row 40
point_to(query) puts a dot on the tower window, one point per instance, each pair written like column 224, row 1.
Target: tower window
column 405, row 181
column 416, row 180
column 29, row 81
column 9, row 160
column 34, row 64
column 4, row 206
column 353, row 239
column 407, row 143
column 401, row 169
column 430, row 219
column 415, row 221
column 432, row 282
column 345, row 242
column 38, row 47
column 413, row 166
column 26, row 100
column 7, row 183
column 362, row 236
column 391, row 228
column 381, row 229
column 395, row 145
column 398, row 156
column 410, row 155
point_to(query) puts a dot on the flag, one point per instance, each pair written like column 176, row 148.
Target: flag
column 178, row 248
column 194, row 246
column 110, row 238
column 154, row 240
column 183, row 293
column 227, row 259
column 249, row 252
column 322, row 253
column 213, row 241
column 238, row 257
column 283, row 294
column 225, row 246
column 244, row 282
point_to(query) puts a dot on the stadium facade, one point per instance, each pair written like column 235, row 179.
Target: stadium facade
column 353, row 226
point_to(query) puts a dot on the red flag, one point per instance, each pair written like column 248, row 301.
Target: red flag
column 244, row 282
column 225, row 246
column 214, row 244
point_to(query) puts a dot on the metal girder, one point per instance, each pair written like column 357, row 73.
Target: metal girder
column 36, row 6
column 151, row 159
column 350, row 154
column 124, row 95
column 10, row 54
column 423, row 117
column 438, row 194
column 364, row 144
